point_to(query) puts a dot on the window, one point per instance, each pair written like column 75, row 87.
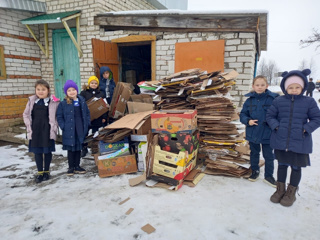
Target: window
column 2, row 65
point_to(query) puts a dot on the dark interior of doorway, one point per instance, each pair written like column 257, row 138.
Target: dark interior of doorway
column 135, row 63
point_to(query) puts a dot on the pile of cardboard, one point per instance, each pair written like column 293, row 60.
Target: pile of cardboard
column 217, row 118
column 118, row 145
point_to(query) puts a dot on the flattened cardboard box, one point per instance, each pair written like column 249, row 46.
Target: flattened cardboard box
column 97, row 108
column 130, row 122
column 173, row 121
column 135, row 107
column 151, row 183
column 116, row 166
column 143, row 98
column 120, row 97
column 140, row 132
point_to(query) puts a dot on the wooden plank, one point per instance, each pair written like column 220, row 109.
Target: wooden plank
column 35, row 38
column 46, row 39
column 134, row 38
column 65, row 24
column 183, row 22
column 177, row 30
column 78, row 32
column 153, row 60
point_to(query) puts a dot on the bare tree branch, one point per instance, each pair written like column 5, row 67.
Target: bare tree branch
column 314, row 38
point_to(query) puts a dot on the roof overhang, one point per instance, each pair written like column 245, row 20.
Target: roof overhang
column 188, row 21
column 49, row 18
column 61, row 17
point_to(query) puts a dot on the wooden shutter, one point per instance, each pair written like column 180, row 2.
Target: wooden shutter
column 105, row 54
column 206, row 55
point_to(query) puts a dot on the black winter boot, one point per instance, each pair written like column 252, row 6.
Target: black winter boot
column 39, row 177
column 281, row 190
column 46, row 175
column 254, row 175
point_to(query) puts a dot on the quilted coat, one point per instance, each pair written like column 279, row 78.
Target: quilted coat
column 66, row 121
column 255, row 107
column 293, row 118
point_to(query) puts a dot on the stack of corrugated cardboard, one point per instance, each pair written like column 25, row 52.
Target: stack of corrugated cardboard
column 218, row 120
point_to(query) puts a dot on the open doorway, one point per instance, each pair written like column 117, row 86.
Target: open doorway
column 135, row 62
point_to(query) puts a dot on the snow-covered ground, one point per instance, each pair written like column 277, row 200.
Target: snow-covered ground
column 87, row 207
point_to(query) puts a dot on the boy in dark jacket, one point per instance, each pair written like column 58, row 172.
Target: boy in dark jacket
column 253, row 115
column 292, row 118
column 107, row 83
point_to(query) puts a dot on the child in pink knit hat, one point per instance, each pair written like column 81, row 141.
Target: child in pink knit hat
column 292, row 118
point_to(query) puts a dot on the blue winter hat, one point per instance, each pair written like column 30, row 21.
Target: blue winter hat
column 69, row 84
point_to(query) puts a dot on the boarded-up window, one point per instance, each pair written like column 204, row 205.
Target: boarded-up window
column 206, row 55
column 2, row 64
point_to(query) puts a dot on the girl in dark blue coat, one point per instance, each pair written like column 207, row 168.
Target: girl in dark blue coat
column 253, row 115
column 292, row 118
column 73, row 117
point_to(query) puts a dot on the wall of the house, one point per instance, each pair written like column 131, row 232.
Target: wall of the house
column 88, row 30
column 22, row 62
column 240, row 49
column 25, row 62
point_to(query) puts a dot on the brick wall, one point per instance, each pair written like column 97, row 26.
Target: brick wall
column 239, row 53
column 22, row 62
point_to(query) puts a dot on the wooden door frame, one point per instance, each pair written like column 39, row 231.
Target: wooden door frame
column 142, row 38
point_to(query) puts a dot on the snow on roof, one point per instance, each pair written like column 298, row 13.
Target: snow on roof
column 187, row 12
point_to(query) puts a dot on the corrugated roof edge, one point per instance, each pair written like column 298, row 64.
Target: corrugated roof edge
column 24, row 5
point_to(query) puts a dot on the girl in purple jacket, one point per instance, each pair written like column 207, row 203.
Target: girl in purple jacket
column 292, row 118
column 41, row 123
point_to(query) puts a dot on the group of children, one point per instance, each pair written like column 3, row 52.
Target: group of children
column 44, row 113
column 283, row 124
column 280, row 123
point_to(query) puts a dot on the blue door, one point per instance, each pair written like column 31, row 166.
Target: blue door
column 65, row 60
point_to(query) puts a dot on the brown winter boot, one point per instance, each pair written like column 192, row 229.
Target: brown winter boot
column 290, row 196
column 281, row 190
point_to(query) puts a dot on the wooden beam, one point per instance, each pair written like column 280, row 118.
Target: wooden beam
column 71, row 17
column 153, row 60
column 134, row 38
column 78, row 33
column 178, row 30
column 35, row 38
column 65, row 24
column 46, row 39
column 176, row 22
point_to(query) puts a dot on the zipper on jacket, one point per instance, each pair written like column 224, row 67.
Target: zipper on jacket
column 290, row 122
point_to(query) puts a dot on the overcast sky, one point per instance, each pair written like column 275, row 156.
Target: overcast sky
column 289, row 22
